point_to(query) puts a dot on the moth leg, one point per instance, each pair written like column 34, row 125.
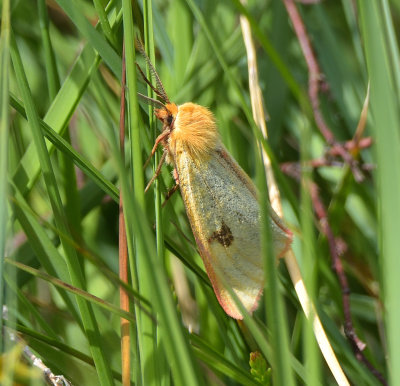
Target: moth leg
column 169, row 194
column 157, row 172
column 159, row 139
column 176, row 177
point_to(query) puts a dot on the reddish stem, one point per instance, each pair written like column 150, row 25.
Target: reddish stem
column 123, row 249
column 313, row 85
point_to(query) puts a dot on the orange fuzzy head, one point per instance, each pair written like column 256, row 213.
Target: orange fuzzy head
column 167, row 114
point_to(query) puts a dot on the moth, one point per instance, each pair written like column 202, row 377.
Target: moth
column 220, row 200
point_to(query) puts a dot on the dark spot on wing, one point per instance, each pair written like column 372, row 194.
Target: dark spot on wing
column 224, row 236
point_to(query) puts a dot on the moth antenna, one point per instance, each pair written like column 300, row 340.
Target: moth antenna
column 149, row 83
column 152, row 101
column 160, row 88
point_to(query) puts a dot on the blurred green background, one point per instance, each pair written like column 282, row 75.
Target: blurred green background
column 61, row 68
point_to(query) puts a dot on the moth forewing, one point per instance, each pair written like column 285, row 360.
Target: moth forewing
column 221, row 204
column 222, row 207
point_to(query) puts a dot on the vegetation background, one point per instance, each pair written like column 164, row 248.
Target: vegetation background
column 61, row 170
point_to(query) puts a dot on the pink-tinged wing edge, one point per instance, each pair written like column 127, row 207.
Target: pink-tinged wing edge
column 226, row 303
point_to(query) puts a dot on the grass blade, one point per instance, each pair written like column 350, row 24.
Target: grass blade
column 384, row 106
column 4, row 126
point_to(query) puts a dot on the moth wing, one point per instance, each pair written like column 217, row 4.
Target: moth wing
column 222, row 207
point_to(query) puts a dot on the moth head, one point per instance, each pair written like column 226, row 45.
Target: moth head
column 167, row 115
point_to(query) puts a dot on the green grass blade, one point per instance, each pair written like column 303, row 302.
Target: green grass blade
column 309, row 258
column 105, row 24
column 393, row 46
column 150, row 337
column 385, row 110
column 279, row 336
column 53, row 79
column 4, row 126
column 137, row 178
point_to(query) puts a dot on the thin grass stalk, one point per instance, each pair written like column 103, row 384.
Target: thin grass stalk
column 219, row 363
column 130, row 242
column 148, row 335
column 258, row 110
column 392, row 43
column 136, row 164
column 53, row 80
column 385, row 111
column 4, row 127
column 88, row 318
column 105, row 24
column 310, row 348
column 279, row 336
column 150, row 50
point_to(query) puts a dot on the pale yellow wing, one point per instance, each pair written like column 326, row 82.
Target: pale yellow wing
column 223, row 211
